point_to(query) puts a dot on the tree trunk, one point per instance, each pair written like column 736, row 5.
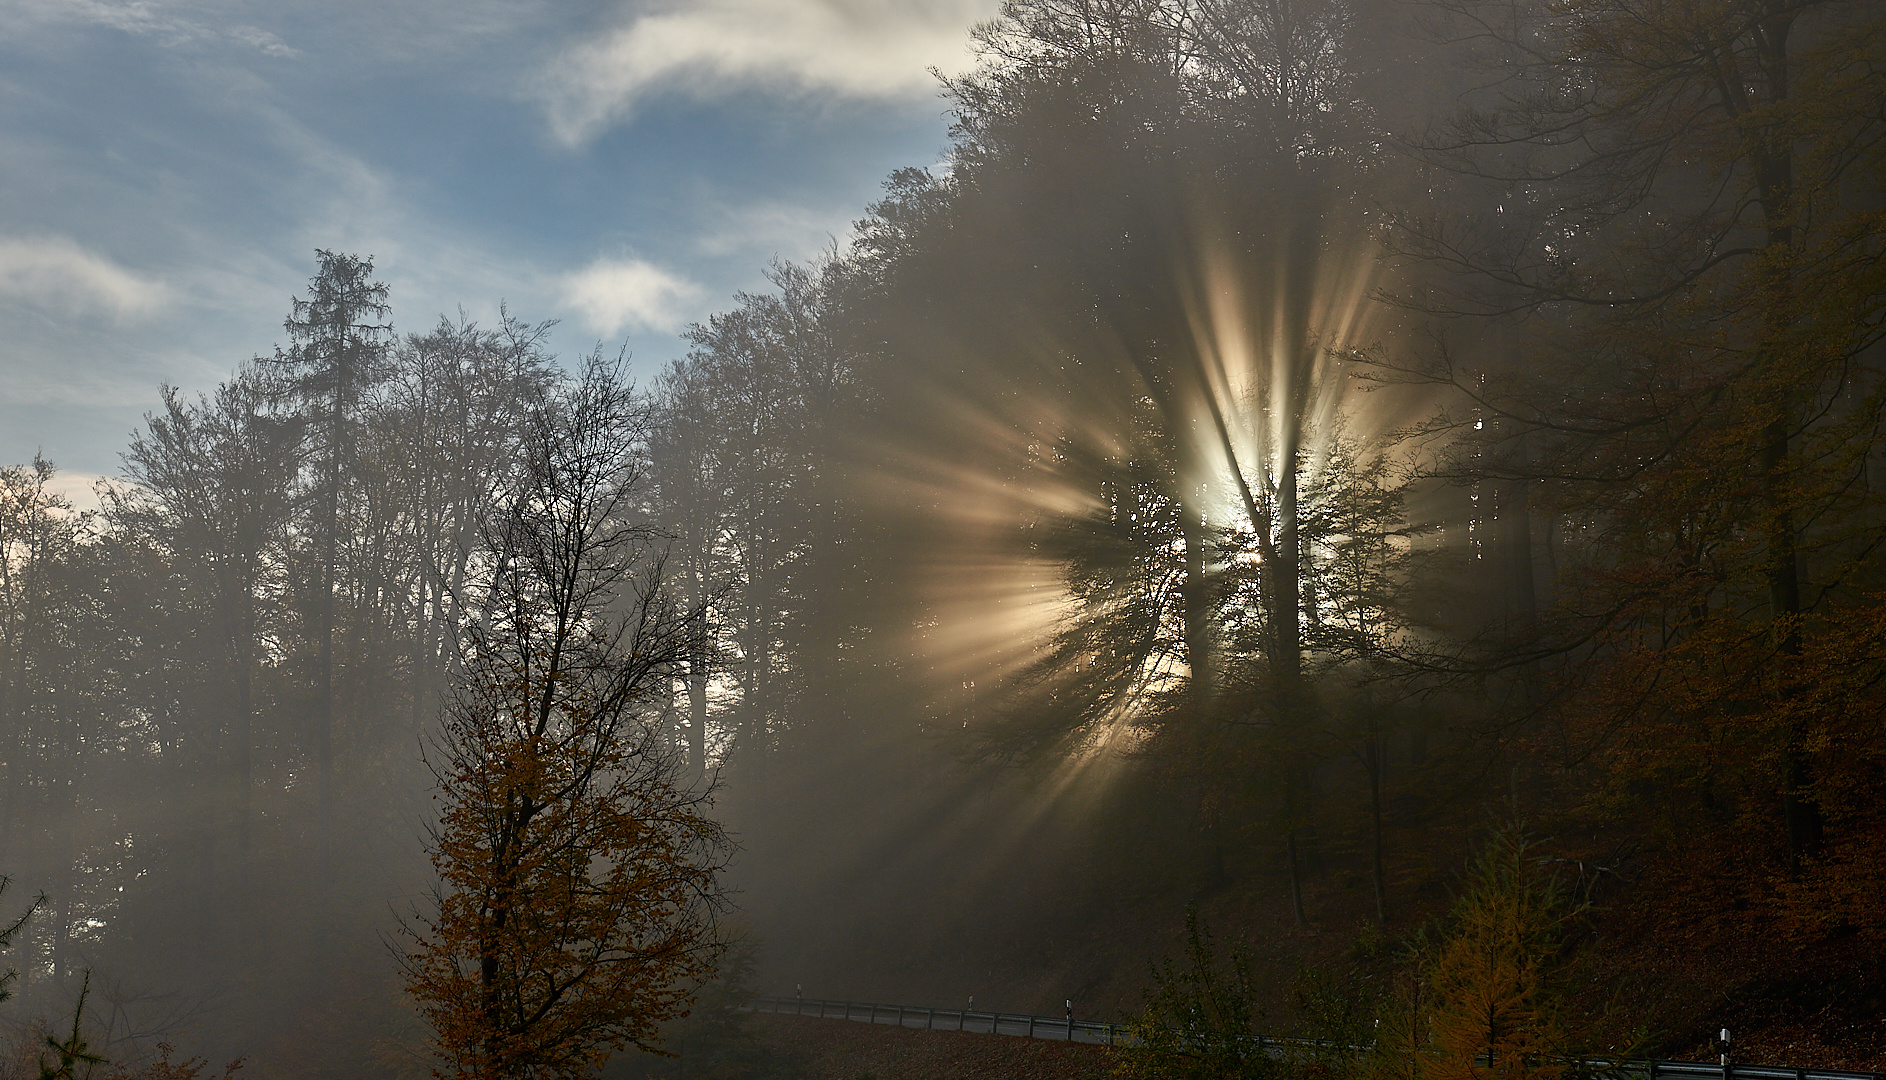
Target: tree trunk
column 244, row 733
column 1516, row 508
column 324, row 684
column 1296, row 879
column 1374, row 764
column 1198, row 628
column 1774, row 175
column 1287, row 645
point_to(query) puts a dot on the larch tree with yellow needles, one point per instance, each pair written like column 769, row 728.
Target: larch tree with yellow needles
column 1496, row 976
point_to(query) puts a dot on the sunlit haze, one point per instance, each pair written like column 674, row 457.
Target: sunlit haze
column 942, row 539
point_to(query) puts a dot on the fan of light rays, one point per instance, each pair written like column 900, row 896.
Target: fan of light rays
column 1271, row 380
column 1254, row 392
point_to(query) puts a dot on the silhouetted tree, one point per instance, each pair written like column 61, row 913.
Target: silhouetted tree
column 449, row 423
column 578, row 869
column 339, row 343
column 1673, row 210
column 209, row 482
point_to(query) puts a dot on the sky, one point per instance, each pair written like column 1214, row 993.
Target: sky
column 169, row 167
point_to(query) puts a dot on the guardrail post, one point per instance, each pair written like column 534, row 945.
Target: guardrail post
column 1031, row 1025
column 931, row 1022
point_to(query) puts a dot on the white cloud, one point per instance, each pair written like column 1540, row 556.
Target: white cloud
column 869, row 49
column 628, row 294
column 58, row 274
column 79, row 488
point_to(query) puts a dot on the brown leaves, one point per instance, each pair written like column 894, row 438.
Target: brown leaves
column 573, row 913
column 577, row 869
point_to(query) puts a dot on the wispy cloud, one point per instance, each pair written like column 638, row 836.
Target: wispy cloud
column 614, row 295
column 871, row 49
column 153, row 19
column 781, row 229
column 57, row 274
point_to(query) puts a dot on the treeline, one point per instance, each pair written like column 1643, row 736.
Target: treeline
column 1272, row 394
column 1338, row 411
column 217, row 682
column 1319, row 409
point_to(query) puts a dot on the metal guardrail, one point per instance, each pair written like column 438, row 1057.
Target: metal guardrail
column 1068, row 1029
column 1065, row 1028
column 1701, row 1070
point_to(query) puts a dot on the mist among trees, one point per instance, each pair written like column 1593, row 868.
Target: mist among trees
column 1283, row 431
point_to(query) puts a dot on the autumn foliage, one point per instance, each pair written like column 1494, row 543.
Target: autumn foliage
column 1495, row 976
column 577, row 885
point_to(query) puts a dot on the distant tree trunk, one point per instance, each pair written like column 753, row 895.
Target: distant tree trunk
column 65, row 808
column 1774, row 175
column 1516, row 508
column 244, row 734
column 1287, row 656
column 10, row 746
column 697, row 656
column 1296, row 878
column 1374, row 763
column 1198, row 616
column 324, row 669
column 1286, row 583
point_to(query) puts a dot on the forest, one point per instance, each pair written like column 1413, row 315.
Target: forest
column 1288, row 443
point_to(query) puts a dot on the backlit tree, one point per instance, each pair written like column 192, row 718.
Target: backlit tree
column 575, row 908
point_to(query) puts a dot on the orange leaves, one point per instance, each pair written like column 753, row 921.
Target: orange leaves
column 574, row 911
column 577, row 868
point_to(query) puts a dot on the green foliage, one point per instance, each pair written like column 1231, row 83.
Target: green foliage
column 1337, row 1013
column 73, row 1058
column 1198, row 1022
column 1370, row 942
column 6, row 938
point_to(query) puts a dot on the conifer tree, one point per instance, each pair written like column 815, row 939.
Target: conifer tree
column 1495, row 977
column 339, row 339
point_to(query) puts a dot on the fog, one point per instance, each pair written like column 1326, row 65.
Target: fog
column 1283, row 439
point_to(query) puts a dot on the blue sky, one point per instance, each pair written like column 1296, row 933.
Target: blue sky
column 167, row 168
